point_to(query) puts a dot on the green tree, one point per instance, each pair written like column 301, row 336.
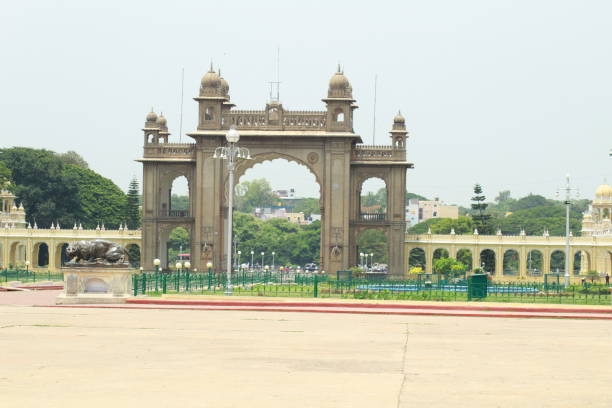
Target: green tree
column 5, row 174
column 255, row 194
column 39, row 183
column 180, row 203
column 461, row 225
column 179, row 239
column 72, row 157
column 99, row 200
column 446, row 266
column 133, row 214
column 374, row 241
column 479, row 207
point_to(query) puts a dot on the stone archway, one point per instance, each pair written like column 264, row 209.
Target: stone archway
column 323, row 141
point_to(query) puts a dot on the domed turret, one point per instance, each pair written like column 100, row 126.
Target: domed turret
column 603, row 192
column 151, row 116
column 161, row 120
column 399, row 118
column 224, row 84
column 339, row 86
column 211, row 83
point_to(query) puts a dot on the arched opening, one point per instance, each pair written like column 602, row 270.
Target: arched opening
column 440, row 253
column 150, row 138
column 209, row 113
column 17, row 255
column 178, row 247
column 511, row 263
column 417, row 259
column 61, row 258
column 557, row 262
column 373, row 251
column 273, row 116
column 534, row 263
column 606, row 213
column 41, row 255
column 373, row 200
column 339, row 115
column 281, row 220
column 133, row 252
column 487, row 261
column 465, row 257
column 177, row 203
column 582, row 263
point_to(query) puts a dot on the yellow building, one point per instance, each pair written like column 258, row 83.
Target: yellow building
column 44, row 249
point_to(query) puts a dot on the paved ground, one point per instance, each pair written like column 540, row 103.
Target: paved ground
column 65, row 357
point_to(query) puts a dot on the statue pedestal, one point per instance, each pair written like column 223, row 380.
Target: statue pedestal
column 96, row 284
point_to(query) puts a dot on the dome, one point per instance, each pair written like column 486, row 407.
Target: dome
column 224, row 85
column 161, row 120
column 339, row 81
column 151, row 116
column 603, row 191
column 399, row 118
column 211, row 79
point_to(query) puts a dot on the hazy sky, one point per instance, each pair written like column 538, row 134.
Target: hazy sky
column 511, row 94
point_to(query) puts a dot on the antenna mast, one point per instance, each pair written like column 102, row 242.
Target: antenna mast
column 374, row 120
column 182, row 92
column 277, row 82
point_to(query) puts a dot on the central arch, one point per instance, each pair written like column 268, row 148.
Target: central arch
column 265, row 165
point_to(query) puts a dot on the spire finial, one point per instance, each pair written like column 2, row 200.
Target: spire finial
column 211, row 67
column 339, row 70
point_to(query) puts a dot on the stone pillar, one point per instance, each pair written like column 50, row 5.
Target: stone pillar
column 499, row 262
column 335, row 236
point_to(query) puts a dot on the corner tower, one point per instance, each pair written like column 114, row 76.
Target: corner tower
column 340, row 103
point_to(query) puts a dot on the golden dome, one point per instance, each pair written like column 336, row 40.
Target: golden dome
column 603, row 191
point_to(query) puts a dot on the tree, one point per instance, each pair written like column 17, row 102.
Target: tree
column 461, row 225
column 99, row 200
column 39, row 183
column 530, row 201
column 254, row 194
column 481, row 219
column 446, row 266
column 5, row 174
column 132, row 213
column 72, row 157
column 503, row 196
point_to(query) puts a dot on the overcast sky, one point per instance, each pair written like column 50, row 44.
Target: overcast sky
column 511, row 94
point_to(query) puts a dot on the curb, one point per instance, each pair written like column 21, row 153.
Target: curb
column 366, row 306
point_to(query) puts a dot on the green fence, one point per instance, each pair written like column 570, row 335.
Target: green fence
column 23, row 275
column 419, row 287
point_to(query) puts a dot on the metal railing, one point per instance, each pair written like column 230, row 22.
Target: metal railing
column 418, row 287
column 174, row 213
column 23, row 275
column 377, row 217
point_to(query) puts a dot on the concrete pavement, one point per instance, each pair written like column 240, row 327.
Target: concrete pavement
column 71, row 357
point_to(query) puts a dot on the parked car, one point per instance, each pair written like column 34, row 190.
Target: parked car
column 310, row 267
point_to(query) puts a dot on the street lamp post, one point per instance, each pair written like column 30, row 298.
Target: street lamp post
column 252, row 254
column 156, row 263
column 231, row 153
column 27, row 265
column 361, row 260
column 238, row 263
column 273, row 253
column 568, row 190
column 371, row 260
column 262, row 259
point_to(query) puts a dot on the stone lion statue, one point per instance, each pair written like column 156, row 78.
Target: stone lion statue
column 96, row 251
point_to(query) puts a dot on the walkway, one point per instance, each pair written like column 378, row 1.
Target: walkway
column 65, row 357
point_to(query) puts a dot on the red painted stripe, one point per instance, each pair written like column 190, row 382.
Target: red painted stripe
column 499, row 315
column 41, row 287
column 364, row 306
